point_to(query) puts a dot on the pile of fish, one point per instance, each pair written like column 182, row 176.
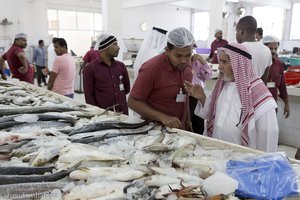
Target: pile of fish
column 51, row 149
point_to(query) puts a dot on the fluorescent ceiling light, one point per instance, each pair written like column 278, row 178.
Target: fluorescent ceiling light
column 233, row 1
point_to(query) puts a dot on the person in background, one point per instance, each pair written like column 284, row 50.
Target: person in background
column 261, row 55
column 259, row 34
column 51, row 56
column 106, row 80
column 201, row 73
column 217, row 43
column 17, row 60
column 62, row 76
column 39, row 58
column 158, row 93
column 275, row 78
column 240, row 109
column 91, row 55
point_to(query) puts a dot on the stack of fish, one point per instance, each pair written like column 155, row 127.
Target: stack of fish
column 51, row 149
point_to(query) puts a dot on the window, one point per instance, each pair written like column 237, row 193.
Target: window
column 201, row 25
column 78, row 28
column 270, row 23
column 295, row 31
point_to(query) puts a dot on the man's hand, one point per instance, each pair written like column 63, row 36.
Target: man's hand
column 3, row 76
column 22, row 69
column 286, row 111
column 45, row 71
column 171, row 122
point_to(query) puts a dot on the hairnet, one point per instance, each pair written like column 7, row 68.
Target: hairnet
column 180, row 37
column 269, row 39
column 20, row 35
column 218, row 30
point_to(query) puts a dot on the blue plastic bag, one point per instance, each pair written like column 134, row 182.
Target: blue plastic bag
column 270, row 176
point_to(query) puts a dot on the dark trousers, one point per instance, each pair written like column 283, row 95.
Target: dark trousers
column 197, row 122
column 40, row 76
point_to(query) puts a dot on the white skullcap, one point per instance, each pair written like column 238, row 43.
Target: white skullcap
column 180, row 37
column 269, row 39
column 218, row 30
column 20, row 35
column 93, row 43
column 104, row 41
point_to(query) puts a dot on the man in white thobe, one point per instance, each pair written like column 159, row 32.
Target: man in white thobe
column 240, row 109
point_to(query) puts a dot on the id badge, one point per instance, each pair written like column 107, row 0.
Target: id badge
column 271, row 84
column 180, row 97
column 121, row 86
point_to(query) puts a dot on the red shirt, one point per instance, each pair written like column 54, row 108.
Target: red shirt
column 91, row 55
column 14, row 64
column 101, row 84
column 158, row 84
column 276, row 75
column 214, row 46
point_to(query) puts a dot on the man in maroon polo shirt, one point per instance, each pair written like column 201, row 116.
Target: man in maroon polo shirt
column 17, row 60
column 91, row 55
column 158, row 93
column 217, row 43
column 105, row 80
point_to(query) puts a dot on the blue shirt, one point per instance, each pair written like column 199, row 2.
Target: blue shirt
column 39, row 57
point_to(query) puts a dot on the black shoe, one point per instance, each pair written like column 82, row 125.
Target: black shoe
column 45, row 84
column 39, row 85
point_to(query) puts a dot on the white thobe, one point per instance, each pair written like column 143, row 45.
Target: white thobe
column 263, row 134
column 51, row 56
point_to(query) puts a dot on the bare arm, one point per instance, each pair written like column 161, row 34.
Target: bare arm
column 2, row 68
column 51, row 80
column 146, row 111
column 23, row 60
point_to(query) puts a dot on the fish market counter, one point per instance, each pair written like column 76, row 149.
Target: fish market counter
column 63, row 152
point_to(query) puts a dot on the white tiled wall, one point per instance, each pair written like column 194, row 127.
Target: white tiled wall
column 289, row 129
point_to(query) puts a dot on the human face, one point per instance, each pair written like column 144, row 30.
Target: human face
column 273, row 48
column 113, row 50
column 180, row 58
column 22, row 42
column 225, row 67
column 219, row 35
column 59, row 50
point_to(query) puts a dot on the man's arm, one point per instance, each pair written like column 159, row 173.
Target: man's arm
column 3, row 76
column 51, row 80
column 23, row 59
column 146, row 111
column 82, row 67
column 89, row 86
column 126, row 81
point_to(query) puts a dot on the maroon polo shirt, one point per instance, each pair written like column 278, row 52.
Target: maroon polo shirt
column 214, row 46
column 276, row 75
column 158, row 84
column 101, row 84
column 14, row 64
column 91, row 55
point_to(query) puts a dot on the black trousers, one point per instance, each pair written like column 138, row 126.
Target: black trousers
column 197, row 122
column 40, row 76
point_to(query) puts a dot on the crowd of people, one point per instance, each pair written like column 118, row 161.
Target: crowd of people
column 169, row 87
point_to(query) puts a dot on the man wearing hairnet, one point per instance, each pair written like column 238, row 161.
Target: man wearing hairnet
column 275, row 78
column 17, row 60
column 158, row 93
column 217, row 43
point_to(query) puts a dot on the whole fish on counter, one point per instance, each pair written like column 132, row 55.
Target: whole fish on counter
column 12, row 179
column 103, row 125
column 39, row 125
column 28, row 109
column 21, row 170
column 21, row 190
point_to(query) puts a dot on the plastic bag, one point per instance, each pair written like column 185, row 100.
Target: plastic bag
column 270, row 176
